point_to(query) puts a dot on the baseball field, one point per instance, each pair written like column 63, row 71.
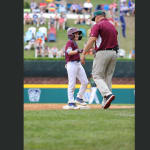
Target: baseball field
column 48, row 127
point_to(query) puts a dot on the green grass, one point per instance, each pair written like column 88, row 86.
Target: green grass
column 79, row 129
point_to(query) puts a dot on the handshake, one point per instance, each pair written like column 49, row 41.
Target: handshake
column 79, row 50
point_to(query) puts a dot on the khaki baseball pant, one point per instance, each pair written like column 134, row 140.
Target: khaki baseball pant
column 103, row 68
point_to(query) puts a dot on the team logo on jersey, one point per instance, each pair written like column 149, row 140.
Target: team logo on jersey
column 34, row 95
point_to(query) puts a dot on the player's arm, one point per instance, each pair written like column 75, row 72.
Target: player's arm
column 73, row 52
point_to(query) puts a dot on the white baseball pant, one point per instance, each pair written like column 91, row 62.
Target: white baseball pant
column 76, row 71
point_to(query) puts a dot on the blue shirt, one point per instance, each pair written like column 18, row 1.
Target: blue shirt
column 62, row 8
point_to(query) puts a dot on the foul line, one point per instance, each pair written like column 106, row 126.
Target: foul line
column 114, row 86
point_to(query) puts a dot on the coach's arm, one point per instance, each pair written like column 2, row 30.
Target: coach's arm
column 87, row 47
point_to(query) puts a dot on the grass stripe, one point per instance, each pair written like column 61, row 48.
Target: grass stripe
column 93, row 129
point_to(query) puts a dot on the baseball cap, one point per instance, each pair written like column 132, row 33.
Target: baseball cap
column 96, row 13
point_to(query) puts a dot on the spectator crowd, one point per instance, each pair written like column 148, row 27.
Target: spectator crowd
column 61, row 6
column 59, row 9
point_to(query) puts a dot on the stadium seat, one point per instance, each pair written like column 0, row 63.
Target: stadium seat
column 43, row 30
column 52, row 30
column 51, row 37
column 28, row 36
column 33, row 30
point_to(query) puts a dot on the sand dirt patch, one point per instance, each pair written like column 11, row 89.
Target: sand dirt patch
column 59, row 106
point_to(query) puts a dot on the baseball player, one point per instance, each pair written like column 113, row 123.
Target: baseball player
column 104, row 35
column 74, row 69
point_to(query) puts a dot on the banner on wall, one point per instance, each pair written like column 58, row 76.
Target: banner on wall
column 59, row 95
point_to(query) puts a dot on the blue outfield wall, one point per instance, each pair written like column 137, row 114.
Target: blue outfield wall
column 59, row 95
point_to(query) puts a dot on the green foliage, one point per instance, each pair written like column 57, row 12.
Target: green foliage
column 63, row 59
column 79, row 129
column 26, row 5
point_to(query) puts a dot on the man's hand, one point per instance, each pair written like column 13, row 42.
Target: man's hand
column 82, row 59
column 87, row 47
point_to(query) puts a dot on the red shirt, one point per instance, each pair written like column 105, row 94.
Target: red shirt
column 106, row 35
column 27, row 16
column 61, row 20
column 71, row 44
column 43, row 4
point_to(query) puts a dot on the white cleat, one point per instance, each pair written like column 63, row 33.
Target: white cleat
column 103, row 102
column 71, row 106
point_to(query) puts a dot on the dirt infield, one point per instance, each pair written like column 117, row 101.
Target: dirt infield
column 63, row 80
column 59, row 106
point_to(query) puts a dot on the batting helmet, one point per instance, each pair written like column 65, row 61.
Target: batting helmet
column 71, row 31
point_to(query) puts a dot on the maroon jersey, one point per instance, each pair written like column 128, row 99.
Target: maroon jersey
column 106, row 35
column 71, row 45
